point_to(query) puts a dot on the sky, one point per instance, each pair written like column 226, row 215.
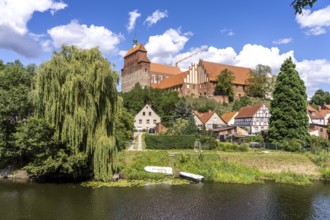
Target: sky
column 242, row 33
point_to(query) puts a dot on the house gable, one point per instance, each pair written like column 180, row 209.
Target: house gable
column 146, row 118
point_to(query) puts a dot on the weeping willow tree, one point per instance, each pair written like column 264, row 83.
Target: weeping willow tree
column 76, row 93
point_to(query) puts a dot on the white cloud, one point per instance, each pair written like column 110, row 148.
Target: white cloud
column 15, row 15
column 155, row 17
column 133, row 15
column 85, row 37
column 228, row 32
column 163, row 48
column 283, row 41
column 316, row 22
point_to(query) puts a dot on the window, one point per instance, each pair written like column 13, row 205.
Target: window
column 155, row 121
column 143, row 113
column 148, row 121
column 149, row 113
column 140, row 121
column 187, row 86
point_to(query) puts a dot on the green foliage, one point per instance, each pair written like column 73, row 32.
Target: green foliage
column 317, row 144
column 134, row 170
column 242, row 102
column 289, row 106
column 292, row 145
column 224, row 85
column 203, row 104
column 289, row 178
column 15, row 105
column 182, row 110
column 42, row 155
column 163, row 102
column 258, row 138
column 299, row 5
column 76, row 93
column 320, row 98
column 232, row 147
column 169, row 142
column 208, row 142
column 261, row 82
column 124, row 128
column 216, row 169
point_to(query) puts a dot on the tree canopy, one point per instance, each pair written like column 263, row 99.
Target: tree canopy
column 299, row 5
column 15, row 104
column 289, row 106
column 320, row 97
column 224, row 85
column 261, row 82
column 76, row 94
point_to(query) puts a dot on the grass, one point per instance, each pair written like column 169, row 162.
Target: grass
column 217, row 166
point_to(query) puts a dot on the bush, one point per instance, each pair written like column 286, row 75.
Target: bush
column 317, row 144
column 165, row 142
column 292, row 145
column 208, row 143
column 225, row 146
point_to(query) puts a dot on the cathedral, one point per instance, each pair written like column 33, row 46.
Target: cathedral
column 199, row 80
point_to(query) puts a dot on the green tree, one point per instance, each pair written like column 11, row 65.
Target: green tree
column 289, row 106
column 76, row 93
column 182, row 110
column 261, row 82
column 299, row 5
column 15, row 105
column 320, row 97
column 224, row 85
column 42, row 156
column 124, row 128
column 242, row 102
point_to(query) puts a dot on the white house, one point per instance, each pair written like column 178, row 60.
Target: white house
column 314, row 116
column 254, row 118
column 209, row 120
column 146, row 118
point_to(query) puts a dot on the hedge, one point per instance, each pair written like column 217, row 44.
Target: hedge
column 164, row 142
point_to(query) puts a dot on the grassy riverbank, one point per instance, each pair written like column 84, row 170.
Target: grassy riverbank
column 217, row 166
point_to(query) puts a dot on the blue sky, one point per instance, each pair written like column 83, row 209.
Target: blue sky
column 244, row 33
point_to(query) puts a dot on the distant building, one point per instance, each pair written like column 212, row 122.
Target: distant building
column 229, row 118
column 231, row 133
column 318, row 130
column 146, row 119
column 208, row 120
column 138, row 69
column 314, row 116
column 254, row 118
column 199, row 80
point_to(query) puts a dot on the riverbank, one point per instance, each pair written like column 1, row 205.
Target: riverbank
column 217, row 166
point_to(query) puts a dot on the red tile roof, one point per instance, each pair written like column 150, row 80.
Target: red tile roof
column 173, row 81
column 313, row 113
column 241, row 74
column 228, row 116
column 164, row 69
column 154, row 85
column 204, row 116
column 138, row 47
column 248, row 111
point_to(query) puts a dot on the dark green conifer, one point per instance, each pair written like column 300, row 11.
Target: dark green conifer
column 288, row 108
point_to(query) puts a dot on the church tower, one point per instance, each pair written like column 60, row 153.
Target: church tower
column 136, row 67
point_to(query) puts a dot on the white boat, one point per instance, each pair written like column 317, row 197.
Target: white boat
column 195, row 177
column 155, row 169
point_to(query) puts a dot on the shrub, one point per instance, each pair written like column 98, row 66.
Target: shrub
column 317, row 144
column 292, row 145
column 225, row 146
column 169, row 142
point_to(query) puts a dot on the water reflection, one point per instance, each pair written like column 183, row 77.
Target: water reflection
column 199, row 201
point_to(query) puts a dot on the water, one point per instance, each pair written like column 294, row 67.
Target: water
column 196, row 201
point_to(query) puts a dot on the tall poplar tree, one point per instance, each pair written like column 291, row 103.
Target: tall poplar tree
column 76, row 93
column 224, row 85
column 288, row 108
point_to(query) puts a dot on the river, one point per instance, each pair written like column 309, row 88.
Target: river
column 195, row 201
